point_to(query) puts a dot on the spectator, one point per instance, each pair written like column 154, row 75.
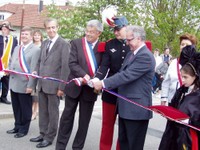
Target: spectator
column 7, row 45
column 186, row 99
column 37, row 40
column 166, row 55
column 172, row 79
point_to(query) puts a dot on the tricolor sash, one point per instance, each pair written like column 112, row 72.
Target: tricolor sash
column 7, row 53
column 22, row 61
column 90, row 57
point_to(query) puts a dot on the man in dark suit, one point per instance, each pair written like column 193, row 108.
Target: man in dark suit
column 24, row 59
column 133, row 82
column 7, row 45
column 53, row 62
column 115, row 49
column 83, row 62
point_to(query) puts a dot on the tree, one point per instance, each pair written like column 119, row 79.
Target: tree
column 163, row 20
column 166, row 20
column 73, row 20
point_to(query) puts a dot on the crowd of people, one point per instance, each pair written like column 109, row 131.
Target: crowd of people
column 125, row 65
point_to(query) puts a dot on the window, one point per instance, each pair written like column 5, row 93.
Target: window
column 1, row 17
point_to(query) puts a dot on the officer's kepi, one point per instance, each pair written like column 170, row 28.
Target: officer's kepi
column 120, row 22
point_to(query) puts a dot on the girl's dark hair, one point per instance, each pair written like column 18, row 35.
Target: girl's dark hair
column 39, row 32
column 189, row 69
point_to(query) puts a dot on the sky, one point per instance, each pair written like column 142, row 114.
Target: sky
column 45, row 2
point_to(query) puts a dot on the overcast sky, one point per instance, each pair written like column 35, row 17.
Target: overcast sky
column 46, row 2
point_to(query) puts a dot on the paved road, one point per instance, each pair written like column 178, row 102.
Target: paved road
column 8, row 142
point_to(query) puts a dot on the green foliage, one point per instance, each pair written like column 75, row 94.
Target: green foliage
column 164, row 20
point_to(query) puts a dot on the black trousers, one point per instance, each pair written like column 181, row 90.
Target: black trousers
column 22, row 108
column 67, row 121
column 5, row 86
column 132, row 134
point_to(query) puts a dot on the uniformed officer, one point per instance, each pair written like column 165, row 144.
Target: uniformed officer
column 115, row 52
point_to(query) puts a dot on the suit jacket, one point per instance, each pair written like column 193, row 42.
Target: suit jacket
column 134, row 82
column 114, row 50
column 54, row 64
column 15, row 42
column 79, row 68
column 19, row 83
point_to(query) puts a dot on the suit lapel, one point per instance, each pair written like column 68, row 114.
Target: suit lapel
column 129, row 60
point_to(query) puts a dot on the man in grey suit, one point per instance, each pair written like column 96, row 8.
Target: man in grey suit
column 24, row 59
column 133, row 82
column 53, row 62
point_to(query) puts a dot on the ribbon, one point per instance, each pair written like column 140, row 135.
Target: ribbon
column 78, row 83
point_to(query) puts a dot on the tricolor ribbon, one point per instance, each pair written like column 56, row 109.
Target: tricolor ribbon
column 78, row 83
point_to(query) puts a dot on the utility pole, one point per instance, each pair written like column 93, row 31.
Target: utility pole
column 22, row 21
column 40, row 6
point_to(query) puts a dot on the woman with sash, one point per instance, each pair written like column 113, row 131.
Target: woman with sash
column 172, row 78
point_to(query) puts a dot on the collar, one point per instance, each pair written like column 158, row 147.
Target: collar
column 94, row 43
column 135, row 51
column 25, row 46
column 54, row 39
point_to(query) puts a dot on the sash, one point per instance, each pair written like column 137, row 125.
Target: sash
column 179, row 73
column 90, row 57
column 22, row 61
column 7, row 53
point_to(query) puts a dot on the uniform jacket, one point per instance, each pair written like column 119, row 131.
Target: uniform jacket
column 134, row 82
column 15, row 42
column 54, row 64
column 79, row 68
column 19, row 83
column 112, row 60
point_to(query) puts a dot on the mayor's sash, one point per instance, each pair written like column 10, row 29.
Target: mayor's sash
column 90, row 57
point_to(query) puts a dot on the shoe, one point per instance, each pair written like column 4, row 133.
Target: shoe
column 44, row 143
column 19, row 135
column 37, row 139
column 5, row 101
column 13, row 131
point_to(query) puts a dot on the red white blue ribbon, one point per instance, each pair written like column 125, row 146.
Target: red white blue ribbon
column 78, row 83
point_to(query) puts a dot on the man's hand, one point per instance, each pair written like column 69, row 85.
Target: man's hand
column 29, row 90
column 60, row 93
column 86, row 78
column 98, row 85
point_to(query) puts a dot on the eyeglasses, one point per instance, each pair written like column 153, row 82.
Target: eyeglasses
column 90, row 32
column 129, row 40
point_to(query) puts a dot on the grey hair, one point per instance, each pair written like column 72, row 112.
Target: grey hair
column 50, row 20
column 137, row 31
column 95, row 23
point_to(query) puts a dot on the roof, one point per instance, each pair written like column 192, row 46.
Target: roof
column 32, row 17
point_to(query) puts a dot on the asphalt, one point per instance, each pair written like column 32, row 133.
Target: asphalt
column 154, row 133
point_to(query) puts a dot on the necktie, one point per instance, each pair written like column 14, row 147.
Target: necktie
column 48, row 46
column 130, row 58
column 6, row 39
